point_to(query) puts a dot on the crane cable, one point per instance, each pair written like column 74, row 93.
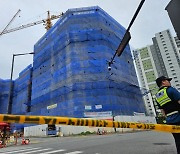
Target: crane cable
column 10, row 22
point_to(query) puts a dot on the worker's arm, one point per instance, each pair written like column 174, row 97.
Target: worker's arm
column 174, row 94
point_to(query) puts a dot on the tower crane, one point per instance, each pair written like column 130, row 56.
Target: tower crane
column 5, row 29
column 47, row 22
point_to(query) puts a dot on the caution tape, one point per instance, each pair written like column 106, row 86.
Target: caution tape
column 86, row 122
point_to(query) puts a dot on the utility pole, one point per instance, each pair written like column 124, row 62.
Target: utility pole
column 11, row 81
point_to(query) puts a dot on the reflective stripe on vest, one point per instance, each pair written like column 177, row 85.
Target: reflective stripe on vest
column 162, row 97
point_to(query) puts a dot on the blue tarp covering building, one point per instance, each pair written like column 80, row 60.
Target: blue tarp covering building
column 4, row 95
column 22, row 92
column 69, row 76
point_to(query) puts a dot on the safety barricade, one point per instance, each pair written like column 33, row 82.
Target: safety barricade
column 2, row 145
column 25, row 141
column 86, row 122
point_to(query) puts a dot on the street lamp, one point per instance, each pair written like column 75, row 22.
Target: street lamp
column 11, row 83
column 127, row 36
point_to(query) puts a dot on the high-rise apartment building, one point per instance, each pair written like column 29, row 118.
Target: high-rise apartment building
column 147, row 74
column 161, row 58
column 177, row 43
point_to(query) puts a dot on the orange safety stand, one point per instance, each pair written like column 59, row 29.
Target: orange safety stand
column 25, row 141
column 1, row 144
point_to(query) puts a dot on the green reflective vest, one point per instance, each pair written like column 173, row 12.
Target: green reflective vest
column 162, row 97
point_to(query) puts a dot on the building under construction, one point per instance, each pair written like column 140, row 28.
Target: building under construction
column 70, row 75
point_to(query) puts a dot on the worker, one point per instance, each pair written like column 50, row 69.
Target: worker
column 168, row 100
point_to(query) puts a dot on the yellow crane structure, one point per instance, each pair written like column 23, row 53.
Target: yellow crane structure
column 47, row 22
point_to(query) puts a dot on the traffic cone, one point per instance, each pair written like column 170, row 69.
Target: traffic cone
column 27, row 141
column 1, row 144
column 23, row 141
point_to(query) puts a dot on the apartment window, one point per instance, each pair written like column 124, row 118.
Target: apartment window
column 175, row 77
column 176, row 81
column 170, row 63
column 171, row 66
column 167, row 53
column 174, row 74
column 169, row 59
column 168, row 56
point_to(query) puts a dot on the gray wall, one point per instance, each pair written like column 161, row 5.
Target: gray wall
column 173, row 9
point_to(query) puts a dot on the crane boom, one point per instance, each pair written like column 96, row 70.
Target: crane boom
column 10, row 22
column 31, row 24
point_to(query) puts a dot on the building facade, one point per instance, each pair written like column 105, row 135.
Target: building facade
column 161, row 58
column 174, row 12
column 177, row 41
column 70, row 75
column 147, row 74
column 170, row 56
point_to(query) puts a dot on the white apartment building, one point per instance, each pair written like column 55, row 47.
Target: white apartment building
column 147, row 74
column 161, row 58
column 170, row 56
column 177, row 41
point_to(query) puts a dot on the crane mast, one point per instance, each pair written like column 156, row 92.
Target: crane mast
column 48, row 22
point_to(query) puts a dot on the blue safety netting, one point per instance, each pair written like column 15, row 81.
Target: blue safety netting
column 4, row 95
column 69, row 76
column 70, row 68
column 22, row 91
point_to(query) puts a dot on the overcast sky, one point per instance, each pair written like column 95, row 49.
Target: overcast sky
column 152, row 18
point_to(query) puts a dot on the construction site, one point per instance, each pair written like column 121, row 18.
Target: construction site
column 70, row 76
column 90, row 84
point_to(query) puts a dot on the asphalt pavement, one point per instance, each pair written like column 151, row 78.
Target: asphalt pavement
column 143, row 142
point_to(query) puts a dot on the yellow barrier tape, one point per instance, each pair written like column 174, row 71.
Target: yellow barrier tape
column 86, row 122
